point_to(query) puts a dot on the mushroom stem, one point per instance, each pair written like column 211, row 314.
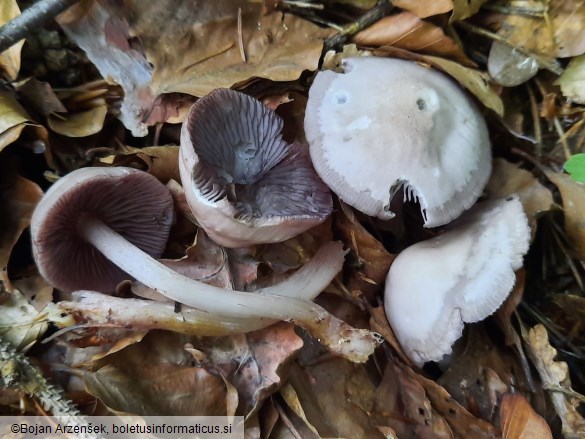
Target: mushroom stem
column 338, row 336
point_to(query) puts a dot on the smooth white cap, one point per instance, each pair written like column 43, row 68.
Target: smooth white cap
column 386, row 123
column 461, row 276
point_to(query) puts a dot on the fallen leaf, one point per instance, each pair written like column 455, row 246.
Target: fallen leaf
column 573, row 196
column 555, row 378
column 508, row 178
column 463, row 9
column 423, row 8
column 18, row 198
column 20, row 323
column 10, row 58
column 39, row 96
column 255, row 363
column 368, row 262
column 82, row 124
column 406, row 31
column 13, row 119
column 520, row 421
column 558, row 33
column 477, row 82
column 160, row 161
column 508, row 67
column 402, row 405
column 155, row 48
column 157, row 377
column 572, row 81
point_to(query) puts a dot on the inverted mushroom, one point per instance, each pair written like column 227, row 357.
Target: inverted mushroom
column 461, row 276
column 388, row 124
column 244, row 183
column 84, row 226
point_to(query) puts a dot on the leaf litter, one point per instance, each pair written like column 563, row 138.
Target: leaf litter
column 137, row 354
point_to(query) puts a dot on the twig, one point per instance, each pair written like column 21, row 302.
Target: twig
column 382, row 8
column 32, row 18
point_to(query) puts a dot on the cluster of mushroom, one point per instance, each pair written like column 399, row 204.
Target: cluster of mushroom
column 385, row 124
column 98, row 226
column 380, row 126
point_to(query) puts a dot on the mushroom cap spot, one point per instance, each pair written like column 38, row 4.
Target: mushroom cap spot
column 461, row 276
column 131, row 202
column 243, row 182
column 387, row 123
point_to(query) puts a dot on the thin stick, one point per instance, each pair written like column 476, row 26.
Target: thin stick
column 382, row 8
column 32, row 18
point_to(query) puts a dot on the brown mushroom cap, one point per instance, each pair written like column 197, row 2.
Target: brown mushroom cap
column 131, row 202
column 388, row 124
column 244, row 183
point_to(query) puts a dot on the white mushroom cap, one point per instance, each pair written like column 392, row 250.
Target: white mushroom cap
column 461, row 276
column 386, row 124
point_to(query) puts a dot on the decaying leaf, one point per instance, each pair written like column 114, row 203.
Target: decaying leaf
column 80, row 124
column 18, row 198
column 423, row 8
column 402, row 405
column 157, row 377
column 573, row 195
column 20, row 323
column 155, row 48
column 160, row 161
column 10, row 58
column 520, row 421
column 508, row 178
column 256, row 363
column 572, row 81
column 557, row 33
column 555, row 379
column 13, row 119
column 463, row 9
column 369, row 261
column 406, row 31
column 39, row 96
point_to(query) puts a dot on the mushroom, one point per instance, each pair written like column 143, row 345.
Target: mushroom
column 244, row 183
column 461, row 276
column 94, row 220
column 386, row 124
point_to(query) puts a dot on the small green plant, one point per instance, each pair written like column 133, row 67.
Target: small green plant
column 576, row 167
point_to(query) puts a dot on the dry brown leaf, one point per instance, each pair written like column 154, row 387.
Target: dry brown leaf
column 10, row 58
column 460, row 420
column 368, row 261
column 157, row 377
column 478, row 83
column 13, row 119
column 155, row 48
column 463, row 9
column 555, row 378
column 572, row 81
column 255, row 363
column 82, row 124
column 160, row 161
column 424, row 8
column 402, row 405
column 520, row 421
column 18, row 198
column 573, row 196
column 337, row 396
column 508, row 178
column 559, row 33
column 39, row 96
column 406, row 31
column 20, row 323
